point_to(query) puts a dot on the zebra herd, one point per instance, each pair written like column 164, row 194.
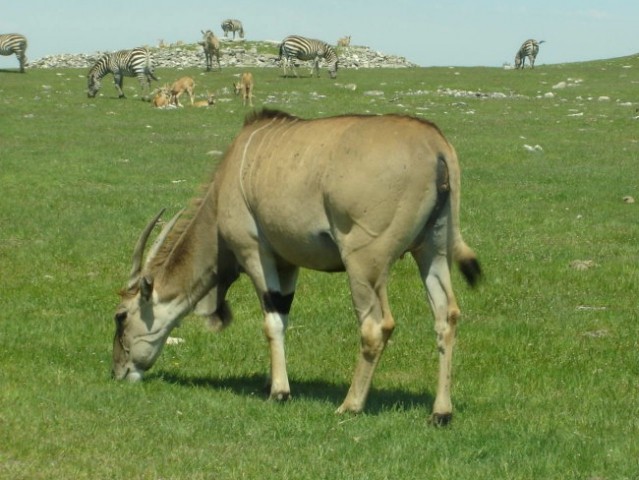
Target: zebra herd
column 138, row 62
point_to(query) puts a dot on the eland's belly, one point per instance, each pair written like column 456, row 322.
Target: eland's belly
column 315, row 250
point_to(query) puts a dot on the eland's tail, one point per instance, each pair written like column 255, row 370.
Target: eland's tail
column 467, row 261
column 462, row 254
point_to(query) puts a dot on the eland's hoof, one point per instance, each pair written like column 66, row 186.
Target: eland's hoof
column 280, row 396
column 440, row 419
column 347, row 407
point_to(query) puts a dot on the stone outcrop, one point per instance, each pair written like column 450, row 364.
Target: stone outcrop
column 234, row 54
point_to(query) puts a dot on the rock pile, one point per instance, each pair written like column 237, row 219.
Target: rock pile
column 364, row 57
column 234, row 54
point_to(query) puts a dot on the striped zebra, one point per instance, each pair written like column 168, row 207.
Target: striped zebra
column 530, row 49
column 301, row 48
column 125, row 63
column 11, row 43
column 232, row 25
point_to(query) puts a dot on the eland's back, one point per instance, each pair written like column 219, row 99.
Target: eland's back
column 319, row 188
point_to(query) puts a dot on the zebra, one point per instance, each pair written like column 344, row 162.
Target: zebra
column 530, row 49
column 11, row 43
column 303, row 48
column 232, row 25
column 211, row 45
column 124, row 63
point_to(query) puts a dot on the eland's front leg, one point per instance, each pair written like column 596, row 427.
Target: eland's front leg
column 277, row 292
column 276, row 308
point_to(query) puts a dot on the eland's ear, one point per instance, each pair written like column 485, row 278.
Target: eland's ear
column 146, row 287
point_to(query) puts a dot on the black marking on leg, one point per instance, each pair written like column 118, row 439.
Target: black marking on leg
column 276, row 302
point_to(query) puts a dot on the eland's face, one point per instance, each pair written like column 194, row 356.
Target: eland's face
column 141, row 326
column 140, row 335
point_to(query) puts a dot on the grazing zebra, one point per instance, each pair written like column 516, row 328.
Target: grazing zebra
column 232, row 25
column 303, row 48
column 125, row 63
column 211, row 45
column 11, row 43
column 530, row 49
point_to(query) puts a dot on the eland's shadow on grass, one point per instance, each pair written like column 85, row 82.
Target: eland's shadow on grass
column 10, row 70
column 379, row 399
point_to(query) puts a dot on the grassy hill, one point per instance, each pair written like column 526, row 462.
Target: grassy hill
column 546, row 372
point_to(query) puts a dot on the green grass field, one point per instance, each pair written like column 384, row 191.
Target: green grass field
column 546, row 372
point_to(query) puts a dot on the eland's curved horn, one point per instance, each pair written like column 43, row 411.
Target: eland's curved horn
column 139, row 248
column 162, row 236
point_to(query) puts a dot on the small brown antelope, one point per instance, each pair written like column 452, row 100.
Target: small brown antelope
column 162, row 97
column 245, row 87
column 352, row 193
column 184, row 84
column 210, row 101
column 211, row 45
column 344, row 41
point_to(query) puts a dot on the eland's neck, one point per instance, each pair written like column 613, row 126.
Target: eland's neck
column 185, row 268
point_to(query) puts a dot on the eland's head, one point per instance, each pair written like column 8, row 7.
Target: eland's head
column 185, row 270
column 142, row 325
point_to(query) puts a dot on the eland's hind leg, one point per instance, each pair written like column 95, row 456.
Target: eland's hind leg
column 368, row 289
column 434, row 267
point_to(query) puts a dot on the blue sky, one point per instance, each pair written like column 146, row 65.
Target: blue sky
column 449, row 33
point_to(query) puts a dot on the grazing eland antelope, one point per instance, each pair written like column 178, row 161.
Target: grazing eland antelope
column 350, row 193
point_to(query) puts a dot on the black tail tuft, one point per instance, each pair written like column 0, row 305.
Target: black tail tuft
column 471, row 270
